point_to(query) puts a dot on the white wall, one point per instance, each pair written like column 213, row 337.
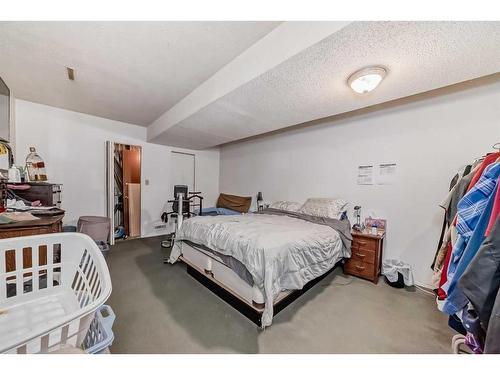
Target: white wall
column 73, row 147
column 429, row 140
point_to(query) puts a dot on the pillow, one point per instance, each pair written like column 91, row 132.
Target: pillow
column 286, row 206
column 324, row 207
column 234, row 202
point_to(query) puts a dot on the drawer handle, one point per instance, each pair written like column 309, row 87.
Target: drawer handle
column 360, row 255
column 361, row 243
column 359, row 268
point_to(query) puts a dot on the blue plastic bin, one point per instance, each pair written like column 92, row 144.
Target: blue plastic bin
column 100, row 334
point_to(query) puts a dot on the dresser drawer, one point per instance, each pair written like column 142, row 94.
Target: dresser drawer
column 364, row 244
column 360, row 268
column 363, row 255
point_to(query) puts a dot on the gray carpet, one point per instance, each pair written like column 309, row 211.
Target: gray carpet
column 161, row 309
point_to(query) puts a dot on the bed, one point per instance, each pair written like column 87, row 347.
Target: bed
column 258, row 261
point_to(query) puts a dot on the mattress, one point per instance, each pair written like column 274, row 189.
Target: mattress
column 230, row 262
column 280, row 250
column 212, row 267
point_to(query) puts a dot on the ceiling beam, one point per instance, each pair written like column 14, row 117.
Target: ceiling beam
column 283, row 42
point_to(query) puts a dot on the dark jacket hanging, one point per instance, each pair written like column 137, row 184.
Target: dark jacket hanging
column 481, row 283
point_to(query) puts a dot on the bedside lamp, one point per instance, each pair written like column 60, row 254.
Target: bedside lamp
column 260, row 201
column 357, row 214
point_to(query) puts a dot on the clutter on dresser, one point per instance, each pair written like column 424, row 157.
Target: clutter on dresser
column 39, row 225
column 15, row 217
column 378, row 224
column 48, row 194
column 14, row 174
column 14, row 205
column 35, row 166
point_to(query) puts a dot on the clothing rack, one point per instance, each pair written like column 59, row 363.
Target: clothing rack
column 464, row 260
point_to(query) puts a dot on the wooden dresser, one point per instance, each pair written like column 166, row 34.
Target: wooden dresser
column 366, row 255
column 44, row 225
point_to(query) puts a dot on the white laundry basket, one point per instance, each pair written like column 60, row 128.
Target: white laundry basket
column 50, row 287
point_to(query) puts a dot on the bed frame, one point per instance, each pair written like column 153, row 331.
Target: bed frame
column 249, row 308
column 225, row 283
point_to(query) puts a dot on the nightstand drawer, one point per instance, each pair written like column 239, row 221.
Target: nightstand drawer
column 364, row 244
column 359, row 268
column 360, row 254
column 366, row 253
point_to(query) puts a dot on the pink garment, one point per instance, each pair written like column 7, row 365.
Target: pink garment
column 444, row 274
column 489, row 159
column 18, row 187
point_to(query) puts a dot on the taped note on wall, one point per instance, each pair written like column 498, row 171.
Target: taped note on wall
column 365, row 175
column 386, row 174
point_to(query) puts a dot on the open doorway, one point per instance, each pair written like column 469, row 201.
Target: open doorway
column 124, row 190
column 183, row 170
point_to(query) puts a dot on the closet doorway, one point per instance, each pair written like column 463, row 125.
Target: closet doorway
column 183, row 170
column 124, row 190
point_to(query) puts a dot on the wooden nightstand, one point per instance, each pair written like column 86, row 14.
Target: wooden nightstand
column 366, row 255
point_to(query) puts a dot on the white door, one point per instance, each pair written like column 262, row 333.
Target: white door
column 110, row 188
column 183, row 171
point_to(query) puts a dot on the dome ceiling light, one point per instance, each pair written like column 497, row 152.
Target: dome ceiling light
column 367, row 79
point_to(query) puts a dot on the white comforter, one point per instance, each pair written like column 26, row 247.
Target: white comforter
column 280, row 252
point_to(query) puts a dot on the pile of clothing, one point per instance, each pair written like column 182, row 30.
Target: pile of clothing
column 467, row 263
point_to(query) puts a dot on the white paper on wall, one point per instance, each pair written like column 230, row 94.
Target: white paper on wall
column 386, row 174
column 365, row 175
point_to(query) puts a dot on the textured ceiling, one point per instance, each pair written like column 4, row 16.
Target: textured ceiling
column 126, row 71
column 137, row 71
column 420, row 56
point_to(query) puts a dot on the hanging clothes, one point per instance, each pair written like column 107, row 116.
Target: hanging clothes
column 467, row 263
column 494, row 212
column 468, row 243
column 456, row 193
column 489, row 159
column 440, row 258
column 492, row 345
column 470, row 209
column 472, row 204
column 440, row 292
column 480, row 284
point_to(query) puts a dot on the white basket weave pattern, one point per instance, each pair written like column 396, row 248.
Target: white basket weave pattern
column 50, row 286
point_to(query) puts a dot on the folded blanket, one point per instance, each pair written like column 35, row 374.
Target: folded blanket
column 213, row 211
